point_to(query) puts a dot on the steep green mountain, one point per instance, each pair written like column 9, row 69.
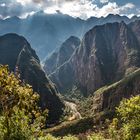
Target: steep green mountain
column 104, row 101
column 16, row 52
column 107, row 53
column 101, row 105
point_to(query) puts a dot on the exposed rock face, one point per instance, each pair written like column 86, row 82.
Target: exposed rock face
column 64, row 53
column 136, row 28
column 64, row 77
column 107, row 53
column 16, row 51
column 103, row 102
column 108, row 98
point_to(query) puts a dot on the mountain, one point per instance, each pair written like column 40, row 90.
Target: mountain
column 64, row 53
column 136, row 28
column 46, row 32
column 17, row 52
column 107, row 98
column 107, row 53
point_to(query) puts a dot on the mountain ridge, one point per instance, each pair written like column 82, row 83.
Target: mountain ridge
column 62, row 55
column 44, row 26
column 122, row 53
column 17, row 53
column 103, row 101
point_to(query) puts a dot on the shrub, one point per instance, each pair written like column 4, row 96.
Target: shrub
column 95, row 136
column 114, row 131
column 69, row 138
column 129, row 112
column 48, row 137
column 18, row 108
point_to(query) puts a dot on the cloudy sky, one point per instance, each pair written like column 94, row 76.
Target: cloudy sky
column 76, row 8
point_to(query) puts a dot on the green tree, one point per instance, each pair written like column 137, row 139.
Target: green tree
column 20, row 116
column 129, row 112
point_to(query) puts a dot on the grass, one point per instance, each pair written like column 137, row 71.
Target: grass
column 125, row 80
column 72, row 127
column 87, row 124
column 86, row 106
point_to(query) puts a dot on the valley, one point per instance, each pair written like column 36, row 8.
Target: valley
column 66, row 78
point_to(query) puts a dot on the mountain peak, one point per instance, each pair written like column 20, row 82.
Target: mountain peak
column 62, row 55
column 104, row 56
column 15, row 51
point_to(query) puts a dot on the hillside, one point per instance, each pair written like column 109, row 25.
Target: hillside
column 104, row 101
column 106, row 54
column 16, row 52
column 63, row 54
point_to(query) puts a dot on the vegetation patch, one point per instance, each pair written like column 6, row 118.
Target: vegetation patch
column 125, row 80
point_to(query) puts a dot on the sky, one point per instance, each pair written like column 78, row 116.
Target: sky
column 76, row 8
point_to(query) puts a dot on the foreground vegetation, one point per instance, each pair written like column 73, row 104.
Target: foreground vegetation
column 22, row 119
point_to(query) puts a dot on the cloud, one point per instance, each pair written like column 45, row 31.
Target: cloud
column 112, row 8
column 88, row 9
column 76, row 8
column 17, row 8
column 104, row 1
column 128, row 6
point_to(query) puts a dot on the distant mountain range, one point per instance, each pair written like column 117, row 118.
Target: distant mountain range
column 46, row 32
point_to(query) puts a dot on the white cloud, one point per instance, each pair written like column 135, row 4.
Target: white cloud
column 127, row 6
column 24, row 2
column 112, row 8
column 76, row 8
column 104, row 1
column 3, row 5
column 88, row 9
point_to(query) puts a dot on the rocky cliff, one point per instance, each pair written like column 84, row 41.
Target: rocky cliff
column 107, row 53
column 62, row 55
column 103, row 102
column 17, row 52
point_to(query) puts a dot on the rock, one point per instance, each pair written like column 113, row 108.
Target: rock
column 107, row 98
column 107, row 53
column 63, row 54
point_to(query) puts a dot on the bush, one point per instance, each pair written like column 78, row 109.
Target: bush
column 18, row 108
column 95, row 137
column 69, row 138
column 129, row 113
column 48, row 137
column 114, row 131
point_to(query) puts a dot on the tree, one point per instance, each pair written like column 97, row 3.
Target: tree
column 129, row 112
column 20, row 116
